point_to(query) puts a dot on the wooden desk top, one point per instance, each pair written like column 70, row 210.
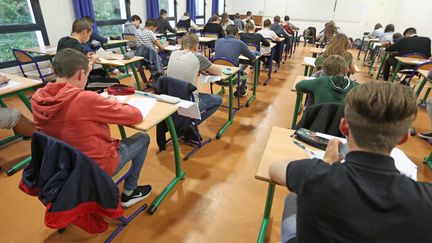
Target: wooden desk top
column 45, row 50
column 411, row 61
column 309, row 61
column 279, row 148
column 117, row 63
column 157, row 114
column 316, row 50
column 25, row 84
column 116, row 42
column 423, row 73
column 298, row 79
column 226, row 76
column 207, row 39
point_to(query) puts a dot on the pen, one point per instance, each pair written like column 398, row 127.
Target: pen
column 304, row 148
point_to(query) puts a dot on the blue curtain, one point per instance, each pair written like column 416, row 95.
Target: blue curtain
column 152, row 9
column 84, row 8
column 191, row 8
column 215, row 7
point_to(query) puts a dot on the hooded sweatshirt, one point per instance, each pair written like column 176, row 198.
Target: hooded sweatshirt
column 80, row 118
column 327, row 89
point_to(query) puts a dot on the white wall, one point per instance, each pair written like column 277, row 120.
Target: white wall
column 415, row 14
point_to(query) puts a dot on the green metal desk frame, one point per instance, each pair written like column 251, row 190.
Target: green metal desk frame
column 230, row 108
column 267, row 211
column 255, row 83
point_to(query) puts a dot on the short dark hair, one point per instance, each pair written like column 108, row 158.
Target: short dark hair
column 136, row 17
column 186, row 14
column 89, row 19
column 151, row 23
column 80, row 25
column 267, row 23
column 379, row 128
column 69, row 61
column 237, row 15
column 410, row 31
column 287, row 18
column 377, row 26
column 231, row 29
column 248, row 13
column 162, row 12
column 214, row 18
column 276, row 19
column 389, row 28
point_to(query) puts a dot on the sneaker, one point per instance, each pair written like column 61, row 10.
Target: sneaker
column 137, row 195
column 425, row 135
column 243, row 92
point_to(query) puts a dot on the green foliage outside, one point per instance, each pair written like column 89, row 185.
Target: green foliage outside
column 110, row 30
column 163, row 4
column 14, row 12
column 107, row 9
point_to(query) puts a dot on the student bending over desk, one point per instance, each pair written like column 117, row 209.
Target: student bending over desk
column 80, row 118
column 332, row 85
column 364, row 199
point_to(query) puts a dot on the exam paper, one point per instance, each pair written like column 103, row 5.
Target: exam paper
column 10, row 84
column 144, row 105
column 204, row 79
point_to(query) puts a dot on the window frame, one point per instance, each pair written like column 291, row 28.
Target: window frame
column 203, row 17
column 224, row 7
column 39, row 25
column 173, row 18
column 100, row 23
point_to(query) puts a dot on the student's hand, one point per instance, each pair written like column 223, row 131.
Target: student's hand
column 332, row 154
column 92, row 57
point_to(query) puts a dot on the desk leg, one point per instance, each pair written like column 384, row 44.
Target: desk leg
column 428, row 161
column 230, row 109
column 382, row 65
column 137, row 80
column 310, row 71
column 305, row 71
column 299, row 99
column 373, row 55
column 426, row 95
column 361, row 45
column 256, row 76
column 122, row 132
column 399, row 64
column 267, row 211
column 122, row 49
column 270, row 66
column 24, row 99
column 179, row 172
column 420, row 87
column 367, row 50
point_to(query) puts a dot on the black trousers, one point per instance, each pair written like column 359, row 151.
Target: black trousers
column 390, row 62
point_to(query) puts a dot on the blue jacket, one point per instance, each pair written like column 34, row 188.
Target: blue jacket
column 232, row 48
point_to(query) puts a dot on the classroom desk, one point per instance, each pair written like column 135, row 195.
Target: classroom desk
column 123, row 64
column 205, row 41
column 316, row 51
column 270, row 61
column 309, row 64
column 377, row 48
column 25, row 85
column 49, row 51
column 116, row 44
column 279, row 148
column 370, row 44
column 299, row 99
column 231, row 113
column 256, row 64
column 361, row 45
column 406, row 60
column 171, row 48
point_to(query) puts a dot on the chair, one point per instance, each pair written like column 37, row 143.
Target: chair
column 309, row 35
column 226, row 62
column 132, row 40
column 324, row 118
column 23, row 58
column 45, row 172
column 407, row 72
column 210, row 45
column 186, row 90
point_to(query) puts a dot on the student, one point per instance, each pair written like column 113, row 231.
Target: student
column 397, row 37
column 95, row 39
column 147, row 37
column 81, row 32
column 267, row 33
column 225, row 20
column 387, row 38
column 80, row 118
column 321, row 33
column 378, row 31
column 186, row 22
column 337, row 46
column 288, row 26
column 249, row 17
column 332, row 86
column 278, row 29
column 232, row 48
column 214, row 26
column 410, row 44
column 132, row 25
column 162, row 23
column 329, row 32
column 13, row 119
column 251, row 37
column 185, row 65
column 238, row 22
column 366, row 198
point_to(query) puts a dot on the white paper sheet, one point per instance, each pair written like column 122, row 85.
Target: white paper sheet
column 205, row 79
column 189, row 109
column 144, row 105
column 10, row 84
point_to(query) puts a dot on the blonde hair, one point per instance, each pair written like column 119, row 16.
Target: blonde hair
column 189, row 40
column 379, row 114
column 329, row 32
column 249, row 25
column 338, row 46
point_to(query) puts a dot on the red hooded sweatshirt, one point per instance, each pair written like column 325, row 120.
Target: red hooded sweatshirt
column 80, row 118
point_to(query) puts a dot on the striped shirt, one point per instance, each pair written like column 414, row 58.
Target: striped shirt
column 145, row 37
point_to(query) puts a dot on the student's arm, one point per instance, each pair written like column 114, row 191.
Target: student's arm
column 157, row 43
column 264, row 41
column 112, row 112
column 97, row 37
column 168, row 27
column 306, row 86
column 394, row 47
column 207, row 66
column 246, row 52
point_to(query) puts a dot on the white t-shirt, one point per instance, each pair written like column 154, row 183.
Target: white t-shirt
column 268, row 34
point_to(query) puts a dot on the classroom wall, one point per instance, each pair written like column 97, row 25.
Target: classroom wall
column 415, row 14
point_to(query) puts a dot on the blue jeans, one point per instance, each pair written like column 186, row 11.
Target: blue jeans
column 289, row 218
column 133, row 148
column 208, row 104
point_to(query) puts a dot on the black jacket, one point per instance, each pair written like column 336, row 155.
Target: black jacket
column 414, row 44
column 214, row 28
column 182, row 90
column 254, row 38
column 71, row 185
column 163, row 25
column 323, row 118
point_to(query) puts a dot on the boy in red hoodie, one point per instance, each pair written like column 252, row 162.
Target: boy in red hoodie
column 66, row 111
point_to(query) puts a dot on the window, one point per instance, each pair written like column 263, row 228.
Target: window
column 21, row 26
column 221, row 7
column 200, row 11
column 111, row 15
column 171, row 7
